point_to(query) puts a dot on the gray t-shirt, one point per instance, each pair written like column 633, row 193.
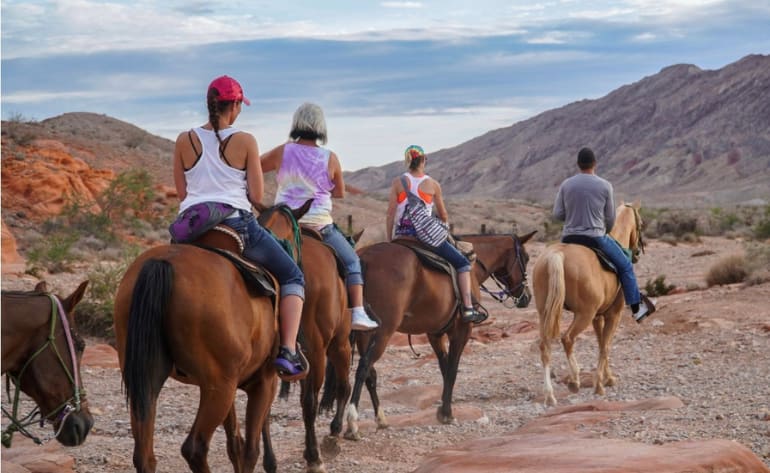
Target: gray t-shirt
column 586, row 205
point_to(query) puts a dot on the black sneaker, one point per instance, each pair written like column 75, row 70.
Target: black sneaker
column 291, row 366
column 473, row 316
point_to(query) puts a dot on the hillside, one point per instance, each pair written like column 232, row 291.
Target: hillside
column 682, row 137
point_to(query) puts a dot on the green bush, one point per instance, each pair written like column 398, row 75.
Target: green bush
column 658, row 287
column 52, row 253
column 762, row 229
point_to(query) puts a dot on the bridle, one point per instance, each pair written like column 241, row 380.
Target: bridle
column 60, row 413
column 637, row 249
column 506, row 293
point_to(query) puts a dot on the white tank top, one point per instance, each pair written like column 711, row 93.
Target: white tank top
column 414, row 185
column 211, row 179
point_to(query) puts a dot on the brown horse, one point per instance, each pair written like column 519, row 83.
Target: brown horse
column 325, row 327
column 571, row 276
column 186, row 312
column 41, row 357
column 410, row 298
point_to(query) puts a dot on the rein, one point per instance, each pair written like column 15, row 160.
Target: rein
column 505, row 293
column 64, row 409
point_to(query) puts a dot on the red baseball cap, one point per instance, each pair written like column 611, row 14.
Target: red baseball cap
column 229, row 89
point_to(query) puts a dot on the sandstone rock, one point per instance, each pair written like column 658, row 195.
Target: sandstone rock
column 12, row 261
column 552, row 443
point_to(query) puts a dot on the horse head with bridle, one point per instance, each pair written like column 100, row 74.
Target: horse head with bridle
column 571, row 276
column 411, row 298
column 41, row 358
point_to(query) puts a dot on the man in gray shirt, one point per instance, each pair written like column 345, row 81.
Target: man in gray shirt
column 586, row 206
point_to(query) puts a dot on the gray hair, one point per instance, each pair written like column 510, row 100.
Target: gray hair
column 309, row 123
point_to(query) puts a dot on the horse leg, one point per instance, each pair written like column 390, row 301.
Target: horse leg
column 216, row 400
column 439, row 347
column 309, row 388
column 365, row 363
column 143, row 432
column 337, row 373
column 458, row 338
column 234, row 440
column 579, row 323
column 545, row 360
column 260, row 393
column 604, row 376
column 371, row 386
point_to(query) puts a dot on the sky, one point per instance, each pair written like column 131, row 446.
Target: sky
column 386, row 73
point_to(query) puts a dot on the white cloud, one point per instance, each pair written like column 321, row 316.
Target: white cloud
column 401, row 4
column 645, row 37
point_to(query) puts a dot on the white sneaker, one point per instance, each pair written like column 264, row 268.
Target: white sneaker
column 644, row 310
column 361, row 320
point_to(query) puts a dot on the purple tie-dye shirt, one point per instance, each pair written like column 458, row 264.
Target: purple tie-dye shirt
column 304, row 174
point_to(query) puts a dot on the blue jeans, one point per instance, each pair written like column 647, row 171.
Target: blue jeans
column 261, row 247
column 455, row 258
column 334, row 238
column 446, row 250
column 612, row 249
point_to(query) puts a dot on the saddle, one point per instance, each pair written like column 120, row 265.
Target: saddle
column 431, row 260
column 256, row 277
column 589, row 242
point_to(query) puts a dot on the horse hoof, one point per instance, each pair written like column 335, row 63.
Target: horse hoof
column 599, row 391
column 550, row 401
column 444, row 419
column 350, row 435
column 610, row 381
column 330, row 447
column 573, row 387
column 319, row 468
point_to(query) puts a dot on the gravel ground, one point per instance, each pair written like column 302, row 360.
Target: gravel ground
column 709, row 347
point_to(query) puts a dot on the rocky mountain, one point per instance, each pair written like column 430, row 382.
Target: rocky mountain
column 682, row 137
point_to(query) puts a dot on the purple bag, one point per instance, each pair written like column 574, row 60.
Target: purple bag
column 197, row 220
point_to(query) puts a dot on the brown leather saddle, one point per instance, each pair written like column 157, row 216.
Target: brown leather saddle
column 226, row 242
column 431, row 260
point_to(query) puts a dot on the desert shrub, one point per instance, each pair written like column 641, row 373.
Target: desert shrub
column 722, row 221
column 676, row 224
column 762, row 228
column 728, row 270
column 52, row 253
column 94, row 313
column 658, row 287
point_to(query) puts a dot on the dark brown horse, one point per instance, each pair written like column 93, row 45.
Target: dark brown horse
column 325, row 326
column 186, row 312
column 41, row 358
column 410, row 298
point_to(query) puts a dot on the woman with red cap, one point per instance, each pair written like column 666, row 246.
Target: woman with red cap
column 219, row 163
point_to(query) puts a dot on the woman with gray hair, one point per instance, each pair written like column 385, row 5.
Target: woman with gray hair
column 306, row 170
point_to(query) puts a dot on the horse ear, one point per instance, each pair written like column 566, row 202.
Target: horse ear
column 42, row 286
column 72, row 300
column 525, row 238
column 357, row 236
column 298, row 213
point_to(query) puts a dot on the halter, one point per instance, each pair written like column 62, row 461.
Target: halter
column 73, row 404
column 506, row 292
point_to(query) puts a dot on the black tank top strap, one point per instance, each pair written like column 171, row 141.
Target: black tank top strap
column 223, row 147
column 198, row 154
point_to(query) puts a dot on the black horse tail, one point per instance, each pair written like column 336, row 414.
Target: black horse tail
column 148, row 362
column 329, row 389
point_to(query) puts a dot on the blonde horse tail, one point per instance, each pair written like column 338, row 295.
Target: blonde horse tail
column 554, row 302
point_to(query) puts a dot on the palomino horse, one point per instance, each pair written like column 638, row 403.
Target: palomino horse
column 325, row 327
column 571, row 276
column 410, row 298
column 186, row 312
column 41, row 357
